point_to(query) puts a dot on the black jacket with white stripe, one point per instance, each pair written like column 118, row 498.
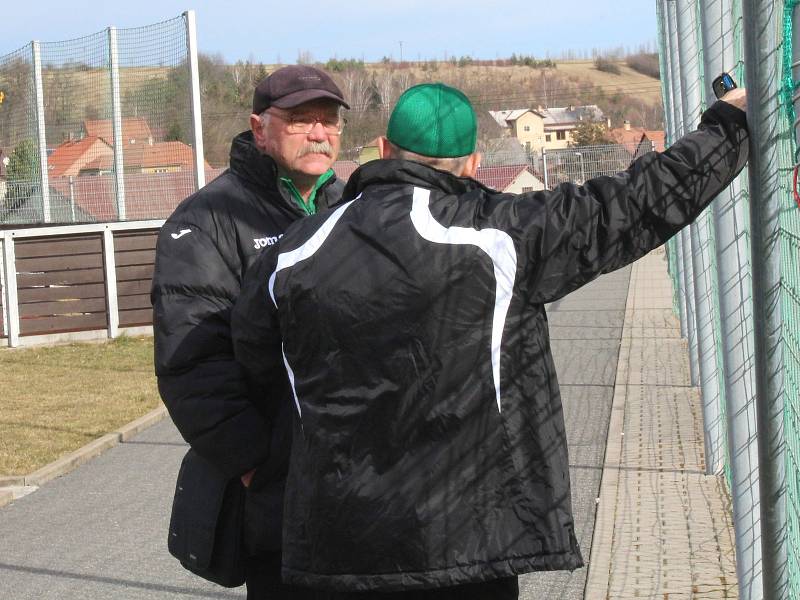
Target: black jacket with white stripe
column 429, row 447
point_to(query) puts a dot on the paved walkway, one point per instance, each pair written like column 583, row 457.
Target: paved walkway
column 662, row 531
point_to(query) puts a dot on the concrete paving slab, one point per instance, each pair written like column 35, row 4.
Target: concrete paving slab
column 586, row 362
column 578, row 319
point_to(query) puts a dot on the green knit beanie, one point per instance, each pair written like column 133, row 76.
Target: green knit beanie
column 433, row 119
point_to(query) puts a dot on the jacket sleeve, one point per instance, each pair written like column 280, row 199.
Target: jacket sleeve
column 256, row 333
column 571, row 234
column 201, row 384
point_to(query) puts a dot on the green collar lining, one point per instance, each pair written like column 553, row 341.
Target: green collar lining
column 309, row 207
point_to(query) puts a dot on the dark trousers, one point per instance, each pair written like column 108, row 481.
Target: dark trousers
column 264, row 583
column 496, row 589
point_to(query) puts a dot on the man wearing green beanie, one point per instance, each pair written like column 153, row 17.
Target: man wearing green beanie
column 429, row 456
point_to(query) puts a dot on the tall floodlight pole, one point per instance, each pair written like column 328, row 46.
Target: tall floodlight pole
column 736, row 323
column 686, row 244
column 700, row 236
column 761, row 51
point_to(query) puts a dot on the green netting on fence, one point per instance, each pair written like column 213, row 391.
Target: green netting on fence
column 790, row 302
column 788, row 154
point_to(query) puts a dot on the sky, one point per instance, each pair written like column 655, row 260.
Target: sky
column 272, row 32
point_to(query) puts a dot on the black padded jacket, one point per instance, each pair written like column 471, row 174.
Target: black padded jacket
column 203, row 252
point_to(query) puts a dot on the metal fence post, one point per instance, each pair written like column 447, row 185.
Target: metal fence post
column 700, row 236
column 736, row 323
column 671, row 119
column 4, row 328
column 197, row 120
column 761, row 18
column 10, row 300
column 680, row 129
column 110, row 271
column 544, row 168
column 116, row 111
column 44, row 179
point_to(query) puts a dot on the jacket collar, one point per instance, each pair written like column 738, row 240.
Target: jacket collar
column 392, row 171
column 248, row 162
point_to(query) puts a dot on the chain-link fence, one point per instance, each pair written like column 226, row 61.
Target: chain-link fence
column 99, row 128
column 736, row 275
column 518, row 172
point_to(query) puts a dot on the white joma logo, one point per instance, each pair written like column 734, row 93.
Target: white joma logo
column 181, row 233
column 265, row 241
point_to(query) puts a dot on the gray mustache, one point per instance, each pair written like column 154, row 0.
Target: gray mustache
column 316, row 148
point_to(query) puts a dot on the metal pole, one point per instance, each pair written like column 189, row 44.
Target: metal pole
column 700, row 237
column 11, row 300
column 110, row 272
column 583, row 173
column 116, row 111
column 670, row 119
column 41, row 131
column 197, row 120
column 72, row 197
column 671, row 25
column 544, row 168
column 736, row 323
column 665, row 68
column 4, row 326
column 688, row 274
column 761, row 50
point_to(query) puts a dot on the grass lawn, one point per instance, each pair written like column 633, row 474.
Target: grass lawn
column 56, row 399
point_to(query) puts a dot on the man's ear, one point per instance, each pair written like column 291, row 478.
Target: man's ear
column 471, row 166
column 257, row 127
column 384, row 147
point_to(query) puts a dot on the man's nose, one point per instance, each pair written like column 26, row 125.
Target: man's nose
column 317, row 133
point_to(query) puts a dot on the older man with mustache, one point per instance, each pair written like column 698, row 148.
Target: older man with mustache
column 231, row 481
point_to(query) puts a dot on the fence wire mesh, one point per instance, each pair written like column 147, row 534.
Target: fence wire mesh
column 787, row 151
column 114, row 102
column 19, row 162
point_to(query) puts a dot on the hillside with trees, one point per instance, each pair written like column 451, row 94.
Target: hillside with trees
column 373, row 89
column 623, row 88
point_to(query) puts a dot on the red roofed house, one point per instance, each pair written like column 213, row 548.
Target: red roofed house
column 637, row 140
column 158, row 157
column 158, row 175
column 70, row 157
column 135, row 130
column 510, row 178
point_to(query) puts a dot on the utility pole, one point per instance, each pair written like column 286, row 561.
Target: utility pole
column 401, row 50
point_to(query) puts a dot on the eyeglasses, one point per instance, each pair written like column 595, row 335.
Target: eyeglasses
column 304, row 124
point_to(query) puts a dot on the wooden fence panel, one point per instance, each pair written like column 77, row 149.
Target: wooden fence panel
column 3, row 332
column 134, row 254
column 60, row 283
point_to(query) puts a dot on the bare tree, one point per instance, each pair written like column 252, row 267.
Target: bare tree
column 356, row 87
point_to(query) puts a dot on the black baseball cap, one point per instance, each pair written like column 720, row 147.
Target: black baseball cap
column 293, row 85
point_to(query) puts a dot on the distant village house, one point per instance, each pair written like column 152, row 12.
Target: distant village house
column 549, row 128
